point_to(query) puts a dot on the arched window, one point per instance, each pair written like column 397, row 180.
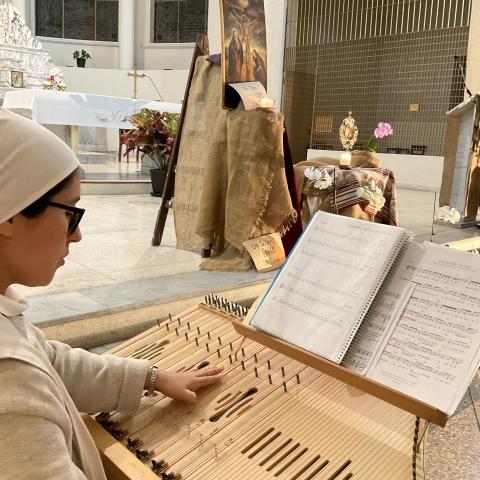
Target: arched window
column 77, row 19
column 179, row 21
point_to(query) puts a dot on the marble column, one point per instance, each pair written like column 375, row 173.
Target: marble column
column 126, row 34
column 473, row 53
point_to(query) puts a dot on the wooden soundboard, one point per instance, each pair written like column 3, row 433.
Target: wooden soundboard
column 270, row 417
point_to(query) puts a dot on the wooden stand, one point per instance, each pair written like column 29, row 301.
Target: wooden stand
column 343, row 374
column 201, row 48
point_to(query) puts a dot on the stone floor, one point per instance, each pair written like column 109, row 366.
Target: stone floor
column 115, row 257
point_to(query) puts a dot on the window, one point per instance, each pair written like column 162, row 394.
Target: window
column 179, row 21
column 77, row 19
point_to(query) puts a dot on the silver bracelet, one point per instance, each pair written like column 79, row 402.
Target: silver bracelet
column 151, row 384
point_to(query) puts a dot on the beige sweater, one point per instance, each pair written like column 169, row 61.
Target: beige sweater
column 36, row 434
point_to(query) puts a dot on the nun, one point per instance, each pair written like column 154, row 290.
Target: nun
column 44, row 384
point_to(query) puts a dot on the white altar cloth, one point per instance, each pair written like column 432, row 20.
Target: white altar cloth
column 79, row 109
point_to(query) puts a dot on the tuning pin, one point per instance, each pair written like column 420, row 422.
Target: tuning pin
column 208, row 348
column 196, row 341
column 256, row 371
column 230, row 358
column 255, row 357
column 243, row 365
column 209, row 336
column 179, row 321
column 218, row 352
column 158, row 465
column 168, row 327
column 176, row 331
column 270, row 379
column 158, row 322
column 198, row 330
column 186, row 336
column 298, row 378
column 219, row 341
column 269, row 364
column 188, row 325
column 283, row 371
column 285, row 387
column 170, row 316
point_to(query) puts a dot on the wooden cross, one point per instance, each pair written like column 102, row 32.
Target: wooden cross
column 135, row 75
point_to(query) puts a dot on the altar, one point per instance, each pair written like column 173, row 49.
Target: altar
column 73, row 110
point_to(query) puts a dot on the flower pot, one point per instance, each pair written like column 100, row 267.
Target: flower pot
column 158, row 177
column 81, row 62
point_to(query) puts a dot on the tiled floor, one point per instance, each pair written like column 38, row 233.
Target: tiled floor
column 116, row 248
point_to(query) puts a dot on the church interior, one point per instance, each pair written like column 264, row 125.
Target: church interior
column 273, row 244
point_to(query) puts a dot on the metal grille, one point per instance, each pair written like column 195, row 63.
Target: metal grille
column 386, row 60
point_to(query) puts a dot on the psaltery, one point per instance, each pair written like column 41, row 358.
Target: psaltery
column 270, row 417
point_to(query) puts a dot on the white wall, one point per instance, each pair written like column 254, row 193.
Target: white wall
column 104, row 54
column 170, row 83
column 417, row 172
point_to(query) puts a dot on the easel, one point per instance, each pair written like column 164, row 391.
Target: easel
column 201, row 48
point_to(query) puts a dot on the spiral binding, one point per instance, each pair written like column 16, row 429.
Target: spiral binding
column 394, row 261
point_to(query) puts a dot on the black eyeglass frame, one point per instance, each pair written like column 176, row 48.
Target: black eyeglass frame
column 76, row 217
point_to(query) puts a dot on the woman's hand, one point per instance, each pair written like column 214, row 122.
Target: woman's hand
column 183, row 385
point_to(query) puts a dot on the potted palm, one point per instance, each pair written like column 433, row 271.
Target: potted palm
column 81, row 57
column 154, row 136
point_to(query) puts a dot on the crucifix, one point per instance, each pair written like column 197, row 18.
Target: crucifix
column 135, row 75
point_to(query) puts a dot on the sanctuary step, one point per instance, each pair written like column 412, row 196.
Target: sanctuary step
column 92, row 157
column 103, row 174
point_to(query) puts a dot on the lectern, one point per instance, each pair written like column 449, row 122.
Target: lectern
column 461, row 168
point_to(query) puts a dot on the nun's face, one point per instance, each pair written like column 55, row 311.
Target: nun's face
column 40, row 244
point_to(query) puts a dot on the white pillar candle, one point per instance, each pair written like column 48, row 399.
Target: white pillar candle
column 345, row 158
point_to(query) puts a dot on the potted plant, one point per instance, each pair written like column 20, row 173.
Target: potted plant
column 81, row 57
column 154, row 136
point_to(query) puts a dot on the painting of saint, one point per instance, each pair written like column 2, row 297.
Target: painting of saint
column 244, row 41
column 235, row 57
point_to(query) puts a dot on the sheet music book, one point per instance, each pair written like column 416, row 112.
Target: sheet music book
column 367, row 297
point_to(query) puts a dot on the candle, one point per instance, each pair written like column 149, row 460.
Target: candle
column 267, row 103
column 345, row 158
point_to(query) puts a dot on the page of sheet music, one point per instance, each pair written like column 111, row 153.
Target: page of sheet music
column 388, row 304
column 432, row 351
column 317, row 299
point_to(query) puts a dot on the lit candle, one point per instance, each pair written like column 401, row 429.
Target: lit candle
column 267, row 103
column 345, row 158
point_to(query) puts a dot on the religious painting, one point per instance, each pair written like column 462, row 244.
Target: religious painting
column 244, row 42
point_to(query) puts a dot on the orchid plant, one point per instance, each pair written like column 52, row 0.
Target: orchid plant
column 383, row 130
column 320, row 179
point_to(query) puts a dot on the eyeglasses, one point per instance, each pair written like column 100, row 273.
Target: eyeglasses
column 75, row 217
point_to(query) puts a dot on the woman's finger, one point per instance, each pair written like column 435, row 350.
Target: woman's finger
column 205, row 372
column 200, row 382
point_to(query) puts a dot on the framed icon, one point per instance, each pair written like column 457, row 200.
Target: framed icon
column 16, row 79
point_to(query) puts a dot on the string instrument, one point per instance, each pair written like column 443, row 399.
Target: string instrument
column 271, row 417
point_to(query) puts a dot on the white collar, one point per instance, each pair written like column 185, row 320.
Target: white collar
column 12, row 304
